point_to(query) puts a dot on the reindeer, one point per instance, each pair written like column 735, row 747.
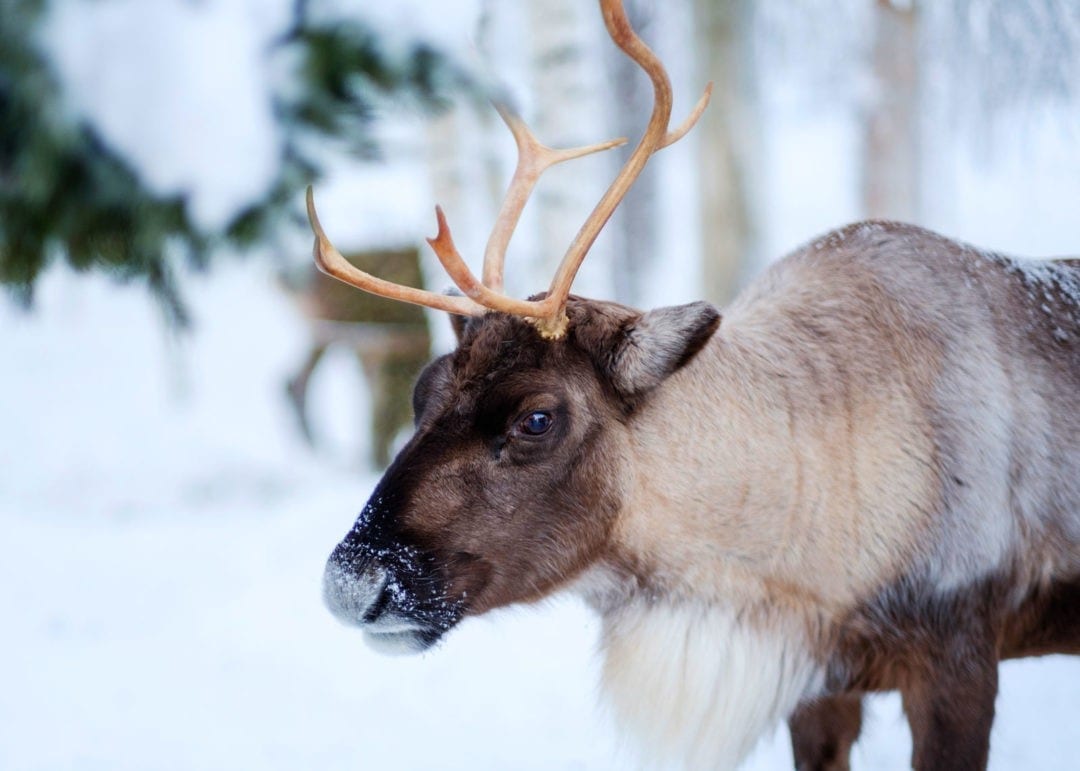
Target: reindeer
column 865, row 477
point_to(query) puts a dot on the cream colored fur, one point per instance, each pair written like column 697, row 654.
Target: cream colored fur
column 696, row 686
column 861, row 415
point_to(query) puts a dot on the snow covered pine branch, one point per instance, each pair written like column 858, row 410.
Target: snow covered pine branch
column 866, row 478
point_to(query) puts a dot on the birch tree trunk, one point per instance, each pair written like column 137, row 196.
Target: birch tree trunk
column 570, row 107
column 890, row 147
column 444, row 151
column 727, row 136
column 459, row 173
column 634, row 224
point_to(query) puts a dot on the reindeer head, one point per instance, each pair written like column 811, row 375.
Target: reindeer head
column 516, row 473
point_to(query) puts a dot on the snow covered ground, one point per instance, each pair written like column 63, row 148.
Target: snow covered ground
column 162, row 531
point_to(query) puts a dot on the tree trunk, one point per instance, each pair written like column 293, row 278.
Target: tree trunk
column 890, row 159
column 727, row 136
column 634, row 224
column 566, row 71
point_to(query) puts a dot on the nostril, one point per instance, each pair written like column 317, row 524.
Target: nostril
column 377, row 608
column 355, row 597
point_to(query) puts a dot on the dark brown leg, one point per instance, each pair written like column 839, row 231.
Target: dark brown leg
column 823, row 731
column 393, row 401
column 950, row 706
column 296, row 388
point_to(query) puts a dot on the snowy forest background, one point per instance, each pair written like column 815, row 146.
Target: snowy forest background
column 162, row 525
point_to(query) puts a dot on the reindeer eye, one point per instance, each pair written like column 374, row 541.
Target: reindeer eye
column 536, row 423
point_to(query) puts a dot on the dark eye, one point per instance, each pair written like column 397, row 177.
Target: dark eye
column 536, row 423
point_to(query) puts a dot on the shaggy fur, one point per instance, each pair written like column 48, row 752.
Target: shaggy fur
column 865, row 477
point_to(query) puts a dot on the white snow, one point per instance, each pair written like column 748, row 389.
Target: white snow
column 178, row 136
column 163, row 533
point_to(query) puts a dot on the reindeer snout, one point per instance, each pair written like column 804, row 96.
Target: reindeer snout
column 391, row 591
column 352, row 595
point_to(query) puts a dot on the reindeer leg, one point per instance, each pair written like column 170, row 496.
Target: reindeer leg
column 950, row 706
column 296, row 389
column 393, row 400
column 823, row 731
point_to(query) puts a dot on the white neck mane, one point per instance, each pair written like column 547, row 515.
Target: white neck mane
column 696, row 685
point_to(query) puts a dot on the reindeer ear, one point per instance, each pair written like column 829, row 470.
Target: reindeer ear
column 638, row 351
column 458, row 323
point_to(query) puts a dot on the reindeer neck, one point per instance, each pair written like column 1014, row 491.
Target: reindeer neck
column 740, row 460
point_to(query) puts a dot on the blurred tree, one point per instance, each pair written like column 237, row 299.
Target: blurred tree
column 890, row 165
column 565, row 41
column 635, row 220
column 64, row 194
column 727, row 135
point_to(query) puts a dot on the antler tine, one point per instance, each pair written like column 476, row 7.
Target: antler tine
column 443, row 246
column 332, row 263
column 657, row 136
column 691, row 120
column 534, row 158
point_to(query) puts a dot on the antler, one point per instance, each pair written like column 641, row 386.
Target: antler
column 332, row 263
column 657, row 136
column 549, row 314
column 534, row 159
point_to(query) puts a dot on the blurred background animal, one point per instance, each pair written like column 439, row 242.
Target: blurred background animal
column 390, row 341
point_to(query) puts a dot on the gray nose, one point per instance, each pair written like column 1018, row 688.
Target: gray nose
column 352, row 596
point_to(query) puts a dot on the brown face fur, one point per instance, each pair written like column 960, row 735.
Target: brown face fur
column 479, row 510
column 513, row 504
